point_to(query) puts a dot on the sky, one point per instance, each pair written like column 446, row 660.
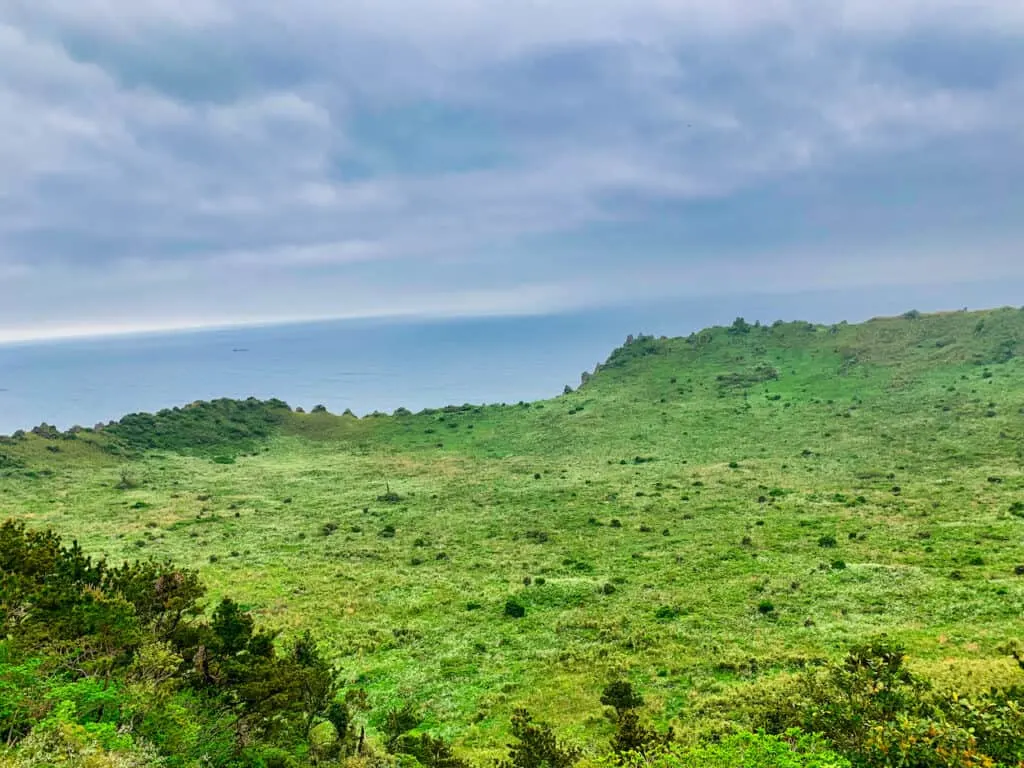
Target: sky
column 184, row 163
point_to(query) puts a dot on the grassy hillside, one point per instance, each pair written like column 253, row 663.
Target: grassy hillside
column 703, row 516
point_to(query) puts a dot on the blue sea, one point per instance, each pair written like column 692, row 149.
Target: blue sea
column 382, row 365
column 365, row 366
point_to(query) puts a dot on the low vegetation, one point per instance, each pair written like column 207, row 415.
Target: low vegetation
column 781, row 545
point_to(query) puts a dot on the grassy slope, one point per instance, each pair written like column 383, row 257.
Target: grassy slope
column 900, row 438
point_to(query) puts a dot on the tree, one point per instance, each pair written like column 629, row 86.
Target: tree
column 621, row 696
column 232, row 626
column 317, row 680
column 630, row 735
column 163, row 596
column 397, row 722
column 739, row 326
column 537, row 746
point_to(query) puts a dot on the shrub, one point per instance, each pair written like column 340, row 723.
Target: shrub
column 127, row 480
column 739, row 327
column 514, row 609
column 827, row 541
column 620, row 696
column 667, row 613
column 397, row 722
column 765, row 608
column 792, row 749
column 218, row 428
column 872, row 708
column 632, row 737
column 536, row 746
column 429, row 751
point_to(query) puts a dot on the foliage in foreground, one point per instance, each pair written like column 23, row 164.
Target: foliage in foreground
column 122, row 660
column 119, row 666
column 793, row 749
column 874, row 709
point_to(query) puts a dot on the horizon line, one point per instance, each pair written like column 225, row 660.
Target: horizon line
column 15, row 337
column 27, row 337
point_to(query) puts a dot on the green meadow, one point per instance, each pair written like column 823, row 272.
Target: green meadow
column 703, row 516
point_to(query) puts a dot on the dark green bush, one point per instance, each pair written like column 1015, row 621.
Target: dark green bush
column 872, row 708
column 792, row 749
column 222, row 428
column 621, row 696
column 667, row 613
column 536, row 746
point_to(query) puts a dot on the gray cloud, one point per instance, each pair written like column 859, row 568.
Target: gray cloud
column 212, row 160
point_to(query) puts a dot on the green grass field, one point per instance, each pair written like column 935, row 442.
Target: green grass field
column 703, row 515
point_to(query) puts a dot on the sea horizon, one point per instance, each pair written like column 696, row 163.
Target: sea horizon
column 359, row 364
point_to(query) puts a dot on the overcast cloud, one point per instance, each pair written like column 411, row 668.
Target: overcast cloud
column 190, row 162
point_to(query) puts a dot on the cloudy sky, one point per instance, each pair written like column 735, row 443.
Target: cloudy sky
column 173, row 163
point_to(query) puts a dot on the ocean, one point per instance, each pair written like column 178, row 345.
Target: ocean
column 361, row 365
